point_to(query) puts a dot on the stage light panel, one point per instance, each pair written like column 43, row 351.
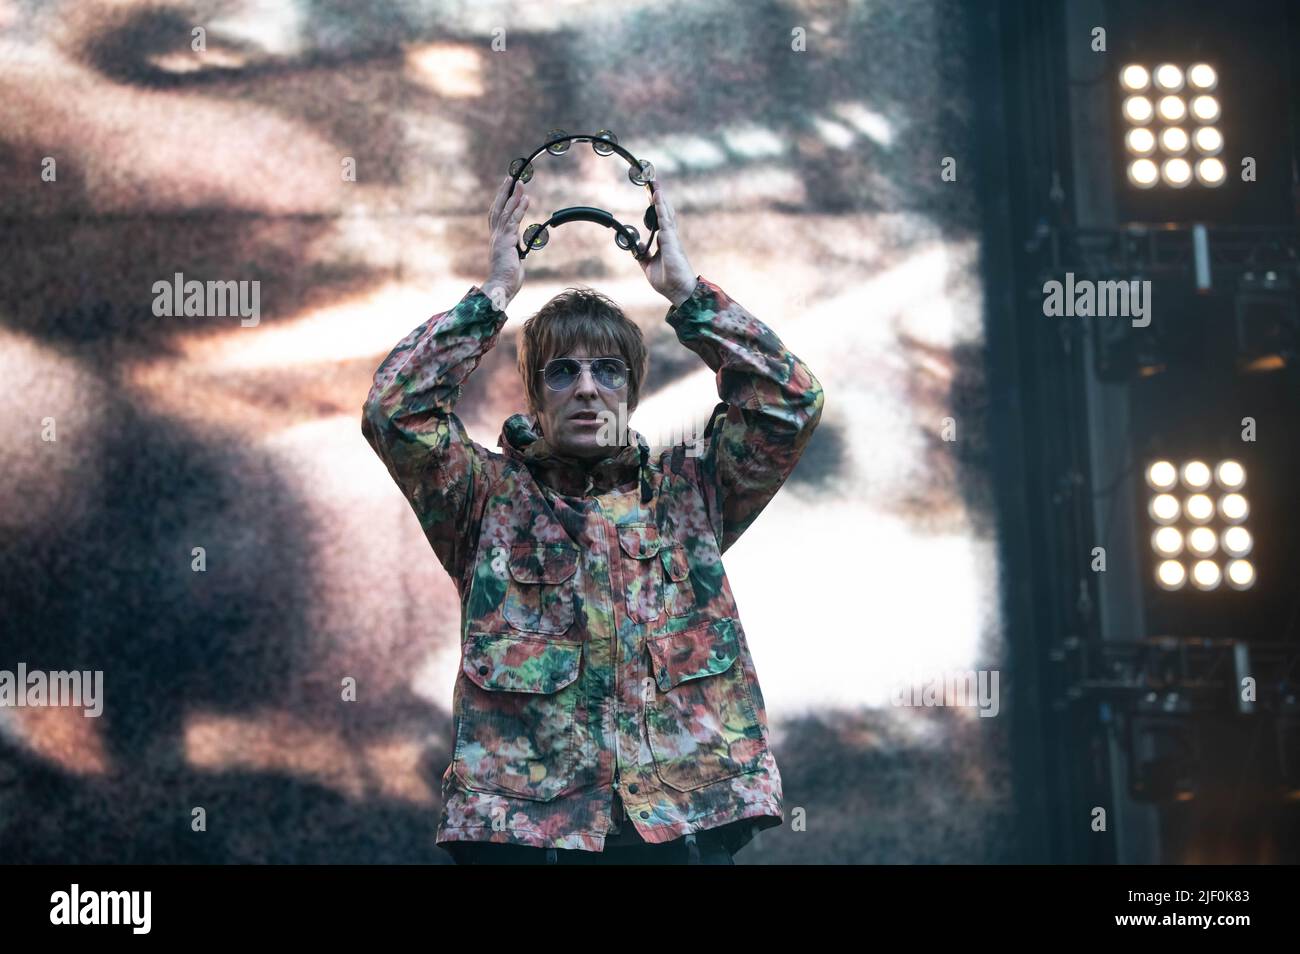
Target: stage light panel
column 1197, row 509
column 1171, row 113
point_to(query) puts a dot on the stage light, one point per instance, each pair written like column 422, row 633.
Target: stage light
column 1172, row 108
column 1202, row 76
column 1171, row 98
column 1210, row 171
column 1205, row 108
column 1233, row 508
column 1164, row 508
column 1167, row 541
column 1206, row 575
column 1241, row 574
column 1171, row 575
column 1138, row 109
column 1230, row 475
column 1196, row 475
column 1236, row 541
column 1143, row 173
column 1176, row 172
column 1140, row 141
column 1134, row 78
column 1208, row 140
column 1202, row 541
column 1199, row 508
column 1169, row 77
column 1162, row 475
column 1173, row 140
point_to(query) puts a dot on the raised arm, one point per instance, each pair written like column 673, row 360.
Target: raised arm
column 771, row 402
column 408, row 416
column 409, row 421
column 770, row 399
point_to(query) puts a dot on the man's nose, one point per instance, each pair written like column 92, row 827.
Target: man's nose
column 586, row 382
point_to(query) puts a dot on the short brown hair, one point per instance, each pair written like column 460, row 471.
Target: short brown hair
column 580, row 317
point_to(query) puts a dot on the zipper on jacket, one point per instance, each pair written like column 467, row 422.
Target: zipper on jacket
column 614, row 698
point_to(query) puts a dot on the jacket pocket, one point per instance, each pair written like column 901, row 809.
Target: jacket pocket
column 702, row 724
column 539, row 598
column 679, row 597
column 515, row 715
column 644, row 580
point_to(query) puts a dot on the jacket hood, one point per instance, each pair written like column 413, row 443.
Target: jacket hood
column 575, row 476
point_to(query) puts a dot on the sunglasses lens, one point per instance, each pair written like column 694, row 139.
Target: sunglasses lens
column 609, row 373
column 561, row 373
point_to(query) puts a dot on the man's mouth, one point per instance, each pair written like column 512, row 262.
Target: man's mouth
column 583, row 416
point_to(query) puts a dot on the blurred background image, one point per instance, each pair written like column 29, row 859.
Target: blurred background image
column 886, row 185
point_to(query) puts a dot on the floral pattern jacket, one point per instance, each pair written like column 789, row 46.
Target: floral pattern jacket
column 605, row 675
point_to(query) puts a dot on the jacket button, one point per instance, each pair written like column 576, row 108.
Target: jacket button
column 632, row 788
column 482, row 670
column 720, row 653
column 645, row 814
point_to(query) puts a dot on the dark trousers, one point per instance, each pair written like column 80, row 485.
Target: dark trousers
column 701, row 848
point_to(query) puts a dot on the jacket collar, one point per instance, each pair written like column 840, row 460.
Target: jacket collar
column 521, row 441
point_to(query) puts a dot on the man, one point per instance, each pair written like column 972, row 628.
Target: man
column 607, row 707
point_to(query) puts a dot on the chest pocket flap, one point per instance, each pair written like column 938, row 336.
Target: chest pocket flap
column 542, row 586
column 693, row 653
column 542, row 563
column 639, row 540
column 519, row 664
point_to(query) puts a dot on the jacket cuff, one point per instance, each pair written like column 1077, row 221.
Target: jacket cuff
column 696, row 296
column 476, row 291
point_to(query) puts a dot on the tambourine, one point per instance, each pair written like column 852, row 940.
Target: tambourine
column 641, row 172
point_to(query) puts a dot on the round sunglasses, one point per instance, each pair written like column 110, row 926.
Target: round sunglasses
column 560, row 373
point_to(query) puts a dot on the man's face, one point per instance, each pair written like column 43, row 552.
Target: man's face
column 572, row 419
